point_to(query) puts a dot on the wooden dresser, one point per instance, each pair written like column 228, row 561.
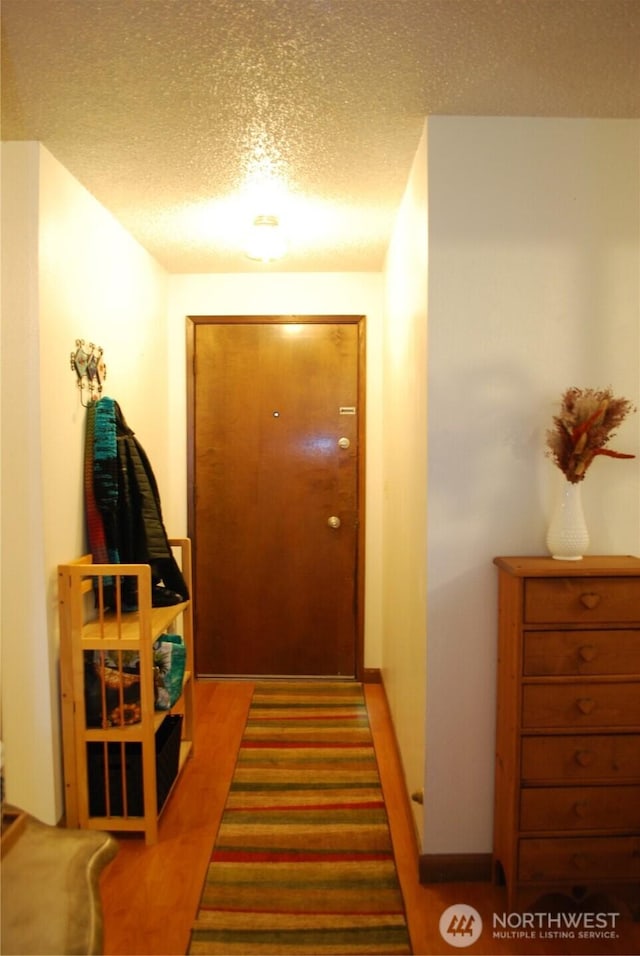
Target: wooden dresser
column 567, row 797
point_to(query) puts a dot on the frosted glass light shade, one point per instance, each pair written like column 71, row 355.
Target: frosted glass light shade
column 265, row 240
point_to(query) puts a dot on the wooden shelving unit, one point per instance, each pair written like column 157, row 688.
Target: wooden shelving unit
column 117, row 767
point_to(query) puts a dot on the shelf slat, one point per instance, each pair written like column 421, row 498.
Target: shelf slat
column 126, row 628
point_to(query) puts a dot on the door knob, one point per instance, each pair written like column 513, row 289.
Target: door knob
column 334, row 521
column 344, row 443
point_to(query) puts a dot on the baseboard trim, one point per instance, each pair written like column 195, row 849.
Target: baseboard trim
column 371, row 675
column 455, row 867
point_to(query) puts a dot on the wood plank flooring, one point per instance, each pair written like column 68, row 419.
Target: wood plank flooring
column 150, row 894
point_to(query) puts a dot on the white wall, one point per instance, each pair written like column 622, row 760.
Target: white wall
column 289, row 294
column 534, row 255
column 28, row 694
column 70, row 272
column 405, row 475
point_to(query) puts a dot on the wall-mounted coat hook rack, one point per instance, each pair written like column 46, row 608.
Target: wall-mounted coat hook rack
column 88, row 364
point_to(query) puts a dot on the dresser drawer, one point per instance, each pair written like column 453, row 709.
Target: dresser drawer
column 579, row 859
column 581, row 600
column 581, row 652
column 580, row 808
column 581, row 705
column 576, row 758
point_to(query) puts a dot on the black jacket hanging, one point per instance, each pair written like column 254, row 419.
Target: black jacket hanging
column 143, row 538
column 126, row 494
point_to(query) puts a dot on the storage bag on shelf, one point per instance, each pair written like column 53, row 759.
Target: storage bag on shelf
column 112, row 688
column 169, row 662
column 114, row 772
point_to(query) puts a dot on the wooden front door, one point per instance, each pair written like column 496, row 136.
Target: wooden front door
column 277, row 423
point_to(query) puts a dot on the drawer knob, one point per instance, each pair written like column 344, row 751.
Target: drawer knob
column 584, row 757
column 580, row 808
column 587, row 652
column 586, row 705
column 590, row 600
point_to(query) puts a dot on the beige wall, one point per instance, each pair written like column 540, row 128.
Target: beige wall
column 30, row 740
column 404, row 421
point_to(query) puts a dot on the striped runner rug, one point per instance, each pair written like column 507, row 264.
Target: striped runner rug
column 303, row 861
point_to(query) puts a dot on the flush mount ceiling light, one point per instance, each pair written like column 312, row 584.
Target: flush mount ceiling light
column 265, row 241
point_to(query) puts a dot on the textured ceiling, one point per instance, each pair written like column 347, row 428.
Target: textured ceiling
column 187, row 118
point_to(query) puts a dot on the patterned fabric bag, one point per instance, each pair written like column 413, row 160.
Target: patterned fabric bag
column 169, row 655
column 112, row 688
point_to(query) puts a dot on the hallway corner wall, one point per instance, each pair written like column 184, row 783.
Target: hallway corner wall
column 28, row 691
column 73, row 272
column 534, row 262
column 404, row 427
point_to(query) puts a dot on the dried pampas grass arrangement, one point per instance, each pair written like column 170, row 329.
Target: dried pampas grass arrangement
column 584, row 425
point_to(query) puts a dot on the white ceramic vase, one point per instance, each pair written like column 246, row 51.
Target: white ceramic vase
column 568, row 537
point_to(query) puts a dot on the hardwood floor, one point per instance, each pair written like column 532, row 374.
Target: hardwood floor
column 150, row 894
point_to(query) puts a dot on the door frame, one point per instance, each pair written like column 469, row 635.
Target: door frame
column 357, row 320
